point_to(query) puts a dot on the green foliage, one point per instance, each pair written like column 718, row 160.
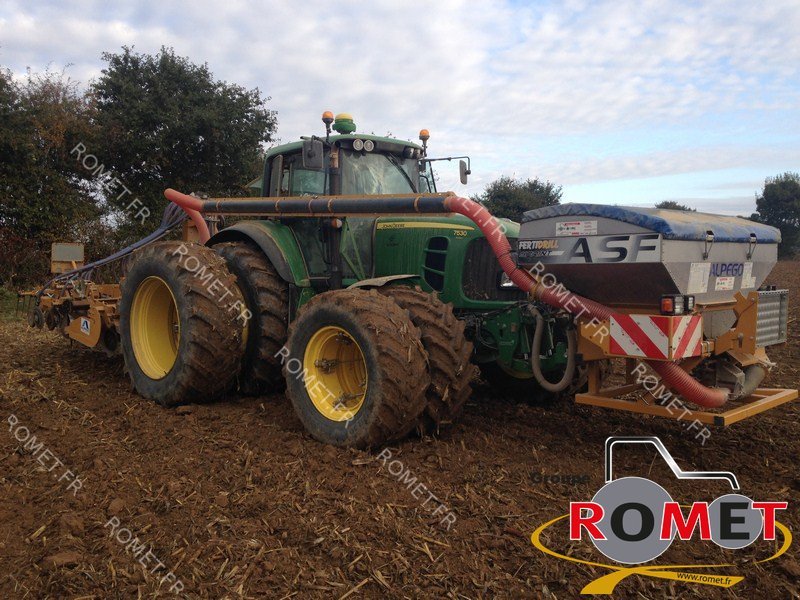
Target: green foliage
column 8, row 303
column 168, row 123
column 778, row 205
column 510, row 198
column 44, row 193
column 672, row 205
column 73, row 161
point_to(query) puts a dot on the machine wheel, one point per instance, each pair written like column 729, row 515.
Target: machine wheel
column 356, row 369
column 36, row 317
column 267, row 299
column 181, row 320
column 449, row 353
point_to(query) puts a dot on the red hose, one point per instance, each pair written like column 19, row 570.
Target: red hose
column 674, row 377
column 192, row 206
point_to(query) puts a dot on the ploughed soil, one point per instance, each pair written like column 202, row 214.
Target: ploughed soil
column 236, row 500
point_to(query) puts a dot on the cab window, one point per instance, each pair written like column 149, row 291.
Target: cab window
column 295, row 180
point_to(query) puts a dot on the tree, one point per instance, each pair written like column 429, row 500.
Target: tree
column 510, row 198
column 168, row 123
column 43, row 188
column 672, row 205
column 779, row 205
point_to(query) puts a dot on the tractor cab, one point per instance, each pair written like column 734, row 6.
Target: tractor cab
column 351, row 164
column 341, row 252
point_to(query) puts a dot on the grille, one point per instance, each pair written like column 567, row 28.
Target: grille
column 773, row 311
column 481, row 277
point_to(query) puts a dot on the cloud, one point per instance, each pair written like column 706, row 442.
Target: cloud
column 523, row 88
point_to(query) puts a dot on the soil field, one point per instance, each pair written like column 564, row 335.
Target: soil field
column 235, row 500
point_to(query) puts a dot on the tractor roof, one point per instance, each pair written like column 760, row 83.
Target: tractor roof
column 292, row 146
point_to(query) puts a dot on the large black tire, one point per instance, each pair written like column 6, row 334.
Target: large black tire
column 449, row 353
column 181, row 320
column 267, row 297
column 388, row 368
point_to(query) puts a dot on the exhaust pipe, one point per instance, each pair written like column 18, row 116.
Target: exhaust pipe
column 673, row 376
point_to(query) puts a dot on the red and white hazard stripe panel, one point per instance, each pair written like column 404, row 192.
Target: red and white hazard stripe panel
column 655, row 336
column 687, row 337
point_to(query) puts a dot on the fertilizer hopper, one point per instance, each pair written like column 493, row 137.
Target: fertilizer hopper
column 625, row 256
column 680, row 286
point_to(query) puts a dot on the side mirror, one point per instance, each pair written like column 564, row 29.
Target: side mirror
column 463, row 171
column 313, row 154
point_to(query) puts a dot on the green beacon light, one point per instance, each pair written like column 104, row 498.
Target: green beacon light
column 344, row 124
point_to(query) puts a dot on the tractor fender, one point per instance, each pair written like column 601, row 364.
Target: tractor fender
column 276, row 241
column 377, row 282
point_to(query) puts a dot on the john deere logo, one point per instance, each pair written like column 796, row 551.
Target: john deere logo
column 633, row 520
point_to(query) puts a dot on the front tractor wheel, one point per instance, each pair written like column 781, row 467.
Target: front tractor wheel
column 181, row 321
column 355, row 369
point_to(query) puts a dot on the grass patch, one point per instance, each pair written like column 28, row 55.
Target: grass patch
column 8, row 303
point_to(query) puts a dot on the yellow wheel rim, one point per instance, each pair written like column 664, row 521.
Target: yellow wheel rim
column 335, row 373
column 155, row 328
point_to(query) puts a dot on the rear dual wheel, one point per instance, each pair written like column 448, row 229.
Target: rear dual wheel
column 181, row 323
column 267, row 297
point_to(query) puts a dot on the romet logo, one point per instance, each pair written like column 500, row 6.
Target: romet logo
column 633, row 520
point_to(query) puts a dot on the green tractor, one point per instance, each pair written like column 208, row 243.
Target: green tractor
column 375, row 324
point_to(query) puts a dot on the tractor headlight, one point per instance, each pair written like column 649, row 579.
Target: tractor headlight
column 358, row 145
column 369, row 145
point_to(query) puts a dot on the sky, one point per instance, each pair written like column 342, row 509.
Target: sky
column 619, row 102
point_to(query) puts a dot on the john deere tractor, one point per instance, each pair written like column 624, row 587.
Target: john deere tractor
column 374, row 298
column 375, row 324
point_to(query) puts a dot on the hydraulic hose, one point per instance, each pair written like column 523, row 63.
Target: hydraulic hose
column 192, row 206
column 171, row 218
column 536, row 359
column 673, row 376
column 753, row 376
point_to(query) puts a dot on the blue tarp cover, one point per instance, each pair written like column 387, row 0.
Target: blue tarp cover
column 672, row 224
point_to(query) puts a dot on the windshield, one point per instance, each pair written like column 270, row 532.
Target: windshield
column 373, row 173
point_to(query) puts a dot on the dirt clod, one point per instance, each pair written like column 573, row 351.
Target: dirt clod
column 62, row 559
column 72, row 523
